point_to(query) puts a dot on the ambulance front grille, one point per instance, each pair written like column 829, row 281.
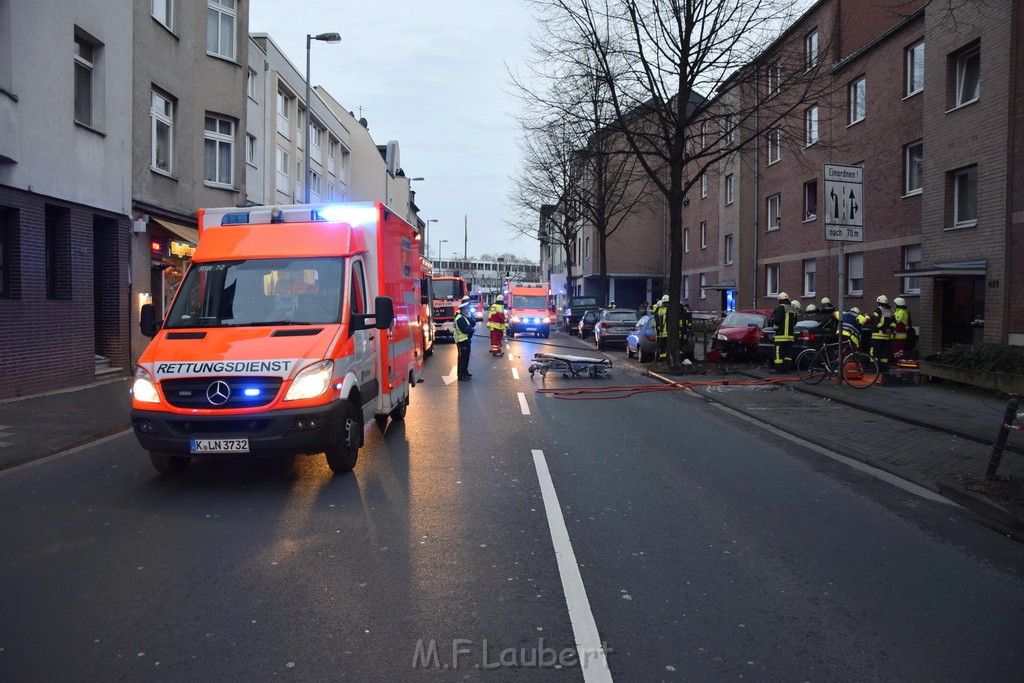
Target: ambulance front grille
column 221, row 393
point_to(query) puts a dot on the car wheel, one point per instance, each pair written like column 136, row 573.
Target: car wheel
column 342, row 456
column 169, row 464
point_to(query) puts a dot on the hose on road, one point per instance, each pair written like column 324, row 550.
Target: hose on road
column 609, row 393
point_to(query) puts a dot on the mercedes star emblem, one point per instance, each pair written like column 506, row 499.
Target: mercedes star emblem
column 218, row 393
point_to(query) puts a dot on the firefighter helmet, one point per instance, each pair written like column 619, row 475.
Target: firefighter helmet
column 783, row 296
column 795, row 304
column 811, row 308
column 663, row 299
column 882, row 299
column 900, row 301
column 855, row 310
column 825, row 301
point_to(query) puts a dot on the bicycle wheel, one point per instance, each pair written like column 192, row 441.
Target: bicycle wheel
column 860, row 370
column 810, row 366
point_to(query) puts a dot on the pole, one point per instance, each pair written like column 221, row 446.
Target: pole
column 842, row 308
column 465, row 237
column 309, row 39
column 1004, row 431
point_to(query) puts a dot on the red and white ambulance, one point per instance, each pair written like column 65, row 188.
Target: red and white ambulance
column 294, row 327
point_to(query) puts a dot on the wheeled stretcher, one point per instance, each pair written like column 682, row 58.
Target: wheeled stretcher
column 570, row 366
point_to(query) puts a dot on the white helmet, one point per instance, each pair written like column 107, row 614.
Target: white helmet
column 663, row 300
column 855, row 310
column 900, row 301
column 811, row 308
column 825, row 301
column 795, row 304
column 882, row 299
column 783, row 296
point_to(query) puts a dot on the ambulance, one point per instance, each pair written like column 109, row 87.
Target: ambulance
column 293, row 329
column 529, row 309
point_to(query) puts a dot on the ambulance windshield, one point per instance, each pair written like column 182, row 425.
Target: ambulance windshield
column 286, row 291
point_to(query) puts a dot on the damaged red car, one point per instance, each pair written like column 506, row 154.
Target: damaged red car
column 738, row 335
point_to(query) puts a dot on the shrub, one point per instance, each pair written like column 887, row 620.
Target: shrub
column 985, row 356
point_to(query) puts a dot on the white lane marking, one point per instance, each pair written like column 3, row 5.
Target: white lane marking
column 515, row 373
column 592, row 656
column 908, row 486
column 523, row 406
column 452, row 376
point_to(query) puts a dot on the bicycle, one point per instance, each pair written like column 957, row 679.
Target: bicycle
column 858, row 369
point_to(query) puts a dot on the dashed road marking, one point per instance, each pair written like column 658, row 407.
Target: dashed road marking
column 515, row 373
column 523, row 406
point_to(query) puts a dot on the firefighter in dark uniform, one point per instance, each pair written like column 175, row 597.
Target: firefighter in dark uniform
column 882, row 324
column 463, row 332
column 660, row 312
column 685, row 331
column 783, row 319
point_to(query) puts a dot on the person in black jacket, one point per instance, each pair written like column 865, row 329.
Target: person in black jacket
column 463, row 333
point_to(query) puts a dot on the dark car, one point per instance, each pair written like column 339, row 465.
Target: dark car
column 574, row 311
column 585, row 326
column 738, row 336
column 642, row 342
column 614, row 325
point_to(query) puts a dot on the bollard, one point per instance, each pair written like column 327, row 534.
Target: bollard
column 1004, row 430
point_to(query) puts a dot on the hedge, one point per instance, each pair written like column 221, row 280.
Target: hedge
column 985, row 356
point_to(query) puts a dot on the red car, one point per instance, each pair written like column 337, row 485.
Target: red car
column 738, row 335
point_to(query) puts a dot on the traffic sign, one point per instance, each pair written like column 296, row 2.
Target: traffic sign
column 844, row 203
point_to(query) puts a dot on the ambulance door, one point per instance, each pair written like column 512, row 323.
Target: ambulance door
column 365, row 342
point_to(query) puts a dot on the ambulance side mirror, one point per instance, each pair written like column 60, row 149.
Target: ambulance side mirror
column 148, row 324
column 384, row 312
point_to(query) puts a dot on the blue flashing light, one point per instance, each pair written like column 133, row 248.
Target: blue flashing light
column 339, row 213
column 238, row 218
column 251, row 392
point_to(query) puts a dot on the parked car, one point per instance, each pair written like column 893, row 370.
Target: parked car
column 614, row 325
column 642, row 342
column 738, row 337
column 807, row 333
column 575, row 309
column 585, row 327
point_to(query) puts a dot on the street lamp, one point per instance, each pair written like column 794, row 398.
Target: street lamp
column 426, row 233
column 327, row 38
column 439, row 243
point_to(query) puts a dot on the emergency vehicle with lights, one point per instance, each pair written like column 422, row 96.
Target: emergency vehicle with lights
column 427, row 305
column 294, row 328
column 528, row 309
column 448, row 292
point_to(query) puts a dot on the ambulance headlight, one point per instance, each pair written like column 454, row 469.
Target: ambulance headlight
column 144, row 389
column 547, row 321
column 312, row 381
column 515, row 318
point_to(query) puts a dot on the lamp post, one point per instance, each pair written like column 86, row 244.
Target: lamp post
column 439, row 243
column 426, row 235
column 327, row 38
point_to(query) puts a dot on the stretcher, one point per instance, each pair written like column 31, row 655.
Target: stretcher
column 570, row 366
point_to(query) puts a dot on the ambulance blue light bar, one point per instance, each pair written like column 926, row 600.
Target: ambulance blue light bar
column 235, row 218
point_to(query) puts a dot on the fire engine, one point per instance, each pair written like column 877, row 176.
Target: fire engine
column 427, row 305
column 448, row 292
column 294, row 328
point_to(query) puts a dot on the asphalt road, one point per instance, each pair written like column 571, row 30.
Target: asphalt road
column 696, row 546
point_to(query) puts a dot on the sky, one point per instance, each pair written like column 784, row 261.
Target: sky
column 430, row 74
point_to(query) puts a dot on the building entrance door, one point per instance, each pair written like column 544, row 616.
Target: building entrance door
column 963, row 309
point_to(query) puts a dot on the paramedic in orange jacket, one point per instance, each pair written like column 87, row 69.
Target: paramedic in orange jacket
column 497, row 324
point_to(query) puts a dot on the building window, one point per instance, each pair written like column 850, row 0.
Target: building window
column 965, row 197
column 218, row 150
column 686, row 286
column 316, row 142
column 332, row 155
column 729, row 192
column 811, row 200
column 858, row 103
column 915, row 68
column 282, row 170
column 913, row 168
column 586, row 249
column 811, row 126
column 703, row 185
column 855, row 274
column 728, row 250
column 774, row 145
column 810, row 269
column 912, row 261
column 774, row 211
column 703, row 285
column 163, row 11
column 250, row 149
column 252, row 85
column 314, row 185
column 686, row 240
column 703, row 234
column 730, row 129
column 772, row 280
column 703, row 134
column 284, row 114
column 968, row 75
column 161, row 114
column 811, row 50
column 774, row 79
column 84, row 72
column 220, row 28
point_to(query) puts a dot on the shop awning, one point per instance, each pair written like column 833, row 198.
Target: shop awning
column 190, row 235
column 947, row 269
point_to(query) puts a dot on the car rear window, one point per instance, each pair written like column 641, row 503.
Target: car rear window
column 620, row 317
column 735, row 319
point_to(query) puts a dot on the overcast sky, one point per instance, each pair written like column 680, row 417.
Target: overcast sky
column 431, row 75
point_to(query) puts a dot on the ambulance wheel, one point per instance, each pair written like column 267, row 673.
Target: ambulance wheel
column 342, row 457
column 546, row 335
column 399, row 411
column 169, row 464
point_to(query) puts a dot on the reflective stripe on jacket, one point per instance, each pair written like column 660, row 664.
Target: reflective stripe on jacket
column 496, row 317
column 902, row 317
column 783, row 319
column 882, row 323
column 661, row 320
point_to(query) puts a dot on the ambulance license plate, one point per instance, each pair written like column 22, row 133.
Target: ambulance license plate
column 219, row 445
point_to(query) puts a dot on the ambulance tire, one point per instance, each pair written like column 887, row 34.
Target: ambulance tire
column 169, row 464
column 343, row 456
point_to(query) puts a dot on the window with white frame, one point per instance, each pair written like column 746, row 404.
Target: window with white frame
column 332, row 192
column 300, row 179
column 250, row 149
column 703, row 185
column 965, row 197
column 774, row 79
column 703, row 134
column 913, row 168
column 586, row 253
column 729, row 190
column 730, row 129
column 84, row 76
column 810, row 269
column 912, row 261
column 316, row 141
column 811, row 125
column 284, row 114
column 161, row 114
column 300, row 128
column 314, row 185
column 774, row 145
column 772, row 280
column 332, row 155
column 218, row 150
column 163, row 11
column 915, row 68
column 728, row 249
column 774, row 211
column 811, row 200
column 811, row 50
column 855, row 274
column 252, row 85
column 968, row 75
column 282, row 165
column 703, row 285
column 858, row 102
column 686, row 240
column 220, row 28
column 703, row 234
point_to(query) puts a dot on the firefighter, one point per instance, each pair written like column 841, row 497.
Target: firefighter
column 783, row 319
column 849, row 325
column 497, row 324
column 685, row 331
column 901, row 329
column 882, row 324
column 826, row 309
column 463, row 333
column 660, row 312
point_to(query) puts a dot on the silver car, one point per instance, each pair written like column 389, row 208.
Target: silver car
column 642, row 342
column 614, row 325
